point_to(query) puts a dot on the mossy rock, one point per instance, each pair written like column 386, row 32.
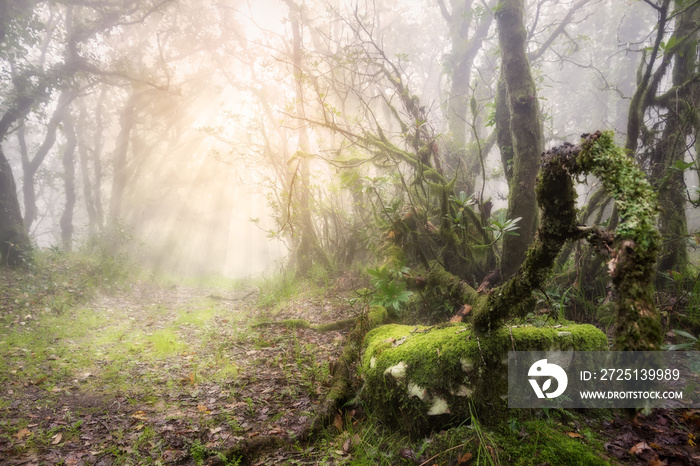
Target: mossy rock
column 423, row 377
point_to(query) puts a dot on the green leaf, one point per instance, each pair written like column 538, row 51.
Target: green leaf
column 684, row 334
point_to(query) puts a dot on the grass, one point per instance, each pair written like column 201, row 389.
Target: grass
column 524, row 442
column 278, row 290
column 158, row 357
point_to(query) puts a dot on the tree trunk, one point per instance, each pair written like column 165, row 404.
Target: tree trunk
column 88, row 188
column 120, row 159
column 525, row 128
column 98, row 143
column 632, row 250
column 307, row 247
column 15, row 245
column 672, row 148
column 461, row 60
column 68, row 160
column 30, row 166
column 504, row 138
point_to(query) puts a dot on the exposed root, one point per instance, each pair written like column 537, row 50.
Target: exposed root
column 301, row 323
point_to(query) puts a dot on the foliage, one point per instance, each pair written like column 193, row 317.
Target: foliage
column 389, row 287
column 112, row 249
column 692, row 344
column 501, row 226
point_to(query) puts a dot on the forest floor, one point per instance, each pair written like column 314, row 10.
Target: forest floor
column 149, row 373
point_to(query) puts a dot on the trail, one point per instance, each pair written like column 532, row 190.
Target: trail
column 162, row 375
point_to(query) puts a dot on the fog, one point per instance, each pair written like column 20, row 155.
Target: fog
column 216, row 133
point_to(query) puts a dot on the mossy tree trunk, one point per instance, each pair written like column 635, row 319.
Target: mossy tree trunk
column 525, row 129
column 504, row 138
column 679, row 125
column 632, row 249
column 678, row 109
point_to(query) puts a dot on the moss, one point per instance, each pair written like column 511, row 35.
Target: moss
column 295, row 323
column 422, row 376
column 377, row 315
column 636, row 242
column 534, row 443
column 556, row 197
column 638, row 325
column 546, row 444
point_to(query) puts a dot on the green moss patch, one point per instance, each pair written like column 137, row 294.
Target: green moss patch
column 420, row 377
column 530, row 444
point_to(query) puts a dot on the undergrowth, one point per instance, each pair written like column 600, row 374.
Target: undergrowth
column 55, row 281
column 524, row 439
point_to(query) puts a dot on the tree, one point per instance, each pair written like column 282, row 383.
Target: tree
column 665, row 123
column 525, row 130
column 32, row 84
column 15, row 244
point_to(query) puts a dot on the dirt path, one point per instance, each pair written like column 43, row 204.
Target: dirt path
column 160, row 375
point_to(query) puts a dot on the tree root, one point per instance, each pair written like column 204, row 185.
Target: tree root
column 301, row 323
column 341, row 383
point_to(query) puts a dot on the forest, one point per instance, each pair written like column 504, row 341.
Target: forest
column 252, row 232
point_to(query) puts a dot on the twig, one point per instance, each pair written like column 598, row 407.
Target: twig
column 433, row 457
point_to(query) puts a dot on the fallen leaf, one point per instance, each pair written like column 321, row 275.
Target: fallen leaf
column 464, row 458
column 140, row 415
column 573, row 435
column 56, row 439
column 23, row 433
column 398, row 342
column 338, row 422
column 202, row 409
column 638, row 448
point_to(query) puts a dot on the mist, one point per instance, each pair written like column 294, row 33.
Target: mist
column 316, row 232
column 190, row 121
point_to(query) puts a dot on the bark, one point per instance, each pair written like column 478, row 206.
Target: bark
column 68, row 160
column 525, row 128
column 15, row 245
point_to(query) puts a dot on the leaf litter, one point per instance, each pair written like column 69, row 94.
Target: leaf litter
column 160, row 371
